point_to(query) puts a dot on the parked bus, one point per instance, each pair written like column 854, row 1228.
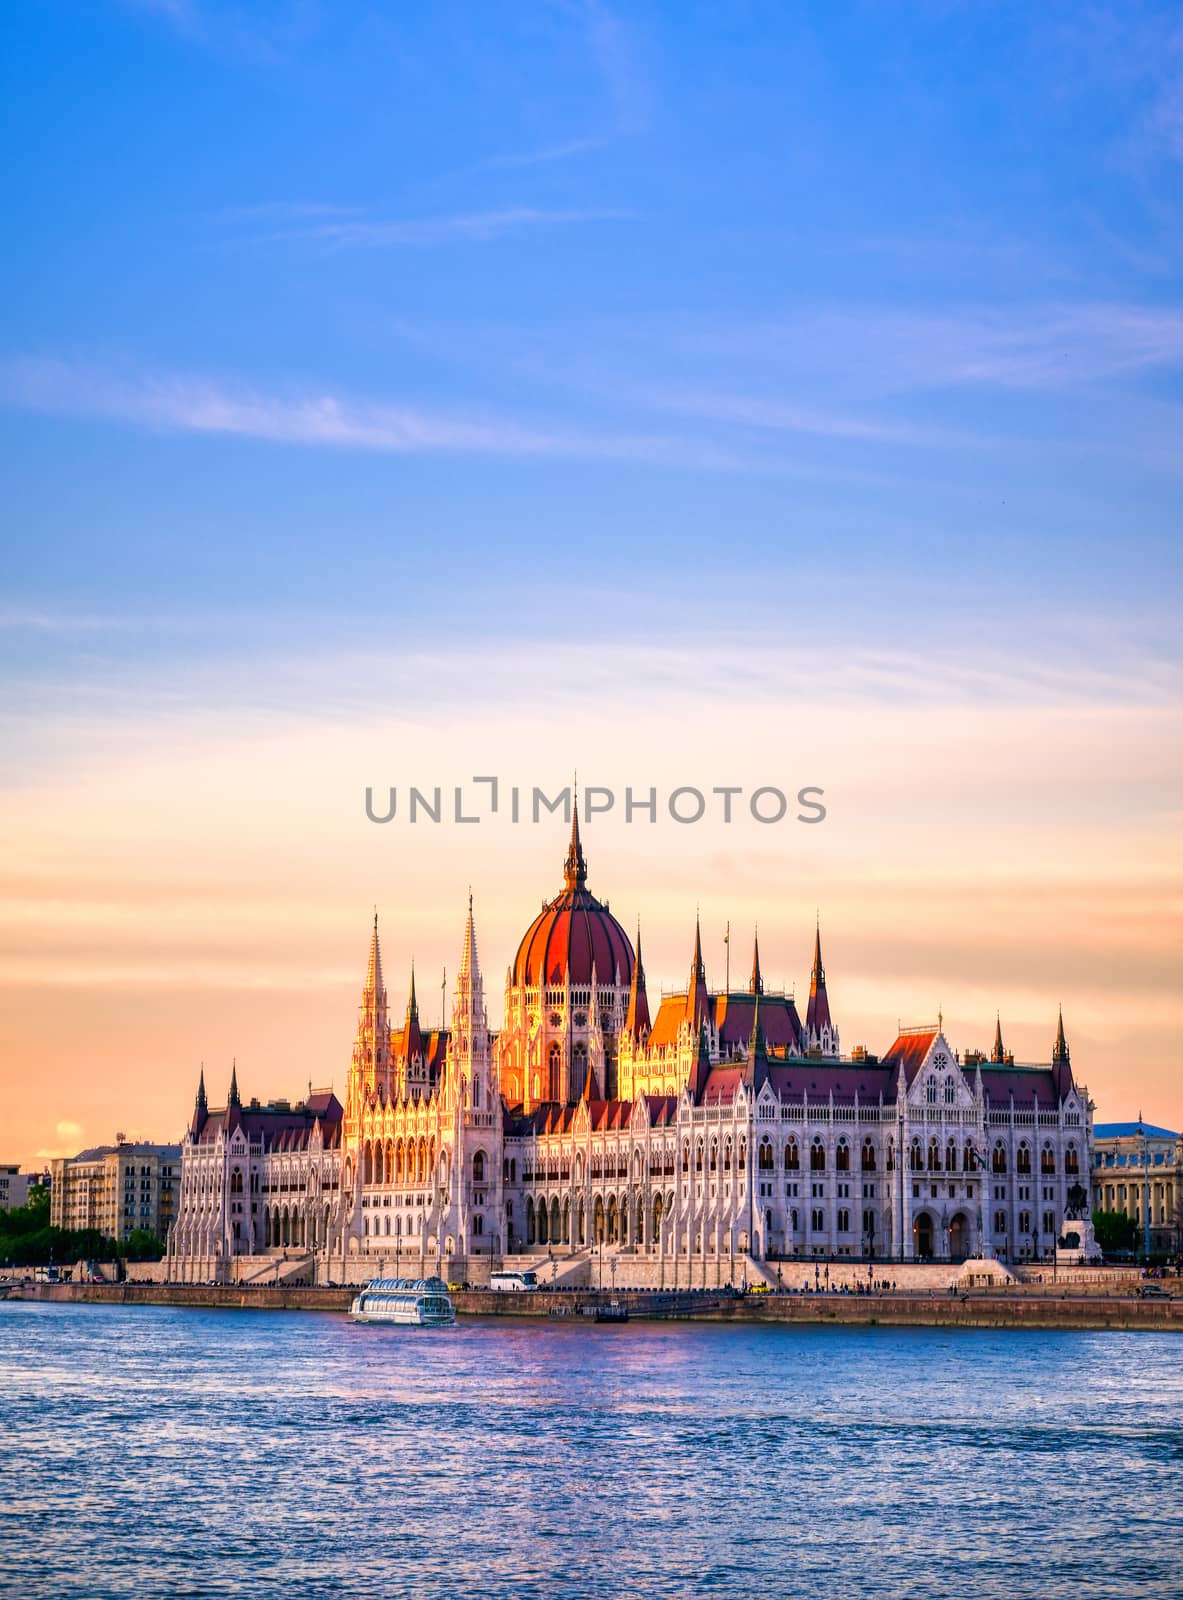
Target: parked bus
column 513, row 1282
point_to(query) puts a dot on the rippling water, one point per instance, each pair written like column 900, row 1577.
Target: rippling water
column 162, row 1452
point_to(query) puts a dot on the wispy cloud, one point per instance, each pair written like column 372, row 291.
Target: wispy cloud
column 1034, row 346
column 564, row 150
column 273, row 211
column 777, row 416
column 243, row 33
column 335, row 227
column 476, row 226
column 186, row 403
column 614, row 49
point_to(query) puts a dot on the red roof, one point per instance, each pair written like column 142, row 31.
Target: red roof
column 1025, row 1084
column 910, row 1048
column 571, row 935
column 277, row 1128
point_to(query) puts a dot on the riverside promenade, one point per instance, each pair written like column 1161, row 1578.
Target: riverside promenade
column 1030, row 1306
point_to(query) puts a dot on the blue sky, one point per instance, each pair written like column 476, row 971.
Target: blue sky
column 837, row 310
column 692, row 393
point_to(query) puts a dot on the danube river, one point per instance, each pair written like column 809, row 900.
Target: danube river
column 152, row 1452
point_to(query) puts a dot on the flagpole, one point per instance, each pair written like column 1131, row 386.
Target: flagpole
column 727, row 947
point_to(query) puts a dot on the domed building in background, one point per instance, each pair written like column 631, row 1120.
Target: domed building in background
column 690, row 1147
column 565, row 997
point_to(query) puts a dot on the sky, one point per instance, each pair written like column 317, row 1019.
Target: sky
column 681, row 395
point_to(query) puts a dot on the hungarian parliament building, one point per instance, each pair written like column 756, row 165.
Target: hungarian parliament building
column 722, row 1130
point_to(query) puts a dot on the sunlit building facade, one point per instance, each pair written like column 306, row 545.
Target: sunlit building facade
column 120, row 1189
column 722, row 1126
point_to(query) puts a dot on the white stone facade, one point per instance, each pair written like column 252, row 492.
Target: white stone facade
column 725, row 1129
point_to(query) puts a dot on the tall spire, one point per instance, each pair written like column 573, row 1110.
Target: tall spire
column 200, row 1106
column 375, row 990
column 756, row 1068
column 575, row 867
column 233, row 1098
column 412, row 1037
column 756, row 982
column 998, row 1054
column 636, row 1021
column 468, row 956
column 757, row 1030
column 1060, row 1056
column 817, row 1015
column 696, row 993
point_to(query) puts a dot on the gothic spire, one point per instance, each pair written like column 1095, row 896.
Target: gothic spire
column 375, row 990
column 756, row 982
column 998, row 1054
column 200, row 1106
column 412, row 1037
column 1060, row 1055
column 468, row 956
column 575, row 867
column 696, row 993
column 233, row 1098
column 817, row 1015
column 757, row 1030
column 636, row 1021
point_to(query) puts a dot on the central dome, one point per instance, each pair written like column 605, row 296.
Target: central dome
column 573, row 933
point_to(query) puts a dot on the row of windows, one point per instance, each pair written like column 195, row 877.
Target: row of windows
column 1025, row 1222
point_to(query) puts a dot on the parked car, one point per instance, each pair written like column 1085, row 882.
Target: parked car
column 1153, row 1291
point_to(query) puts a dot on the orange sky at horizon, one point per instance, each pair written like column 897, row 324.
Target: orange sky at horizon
column 195, row 887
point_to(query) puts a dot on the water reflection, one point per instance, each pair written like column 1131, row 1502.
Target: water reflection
column 151, row 1452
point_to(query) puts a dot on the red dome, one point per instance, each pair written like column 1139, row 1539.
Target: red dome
column 574, row 933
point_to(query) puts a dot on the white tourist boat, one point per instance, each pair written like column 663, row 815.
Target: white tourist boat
column 409, row 1302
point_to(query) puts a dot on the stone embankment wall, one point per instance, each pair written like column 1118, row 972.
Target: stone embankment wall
column 993, row 1308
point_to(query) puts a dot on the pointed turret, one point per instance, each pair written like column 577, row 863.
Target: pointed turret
column 370, row 1072
column 375, row 989
column 757, row 1031
column 468, row 956
column 468, row 1046
column 696, row 993
column 234, row 1099
column 998, row 1053
column 1060, row 1055
column 700, row 1070
column 636, row 1018
column 412, row 1037
column 756, row 981
column 756, row 1068
column 200, row 1106
column 819, row 1027
column 575, row 867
